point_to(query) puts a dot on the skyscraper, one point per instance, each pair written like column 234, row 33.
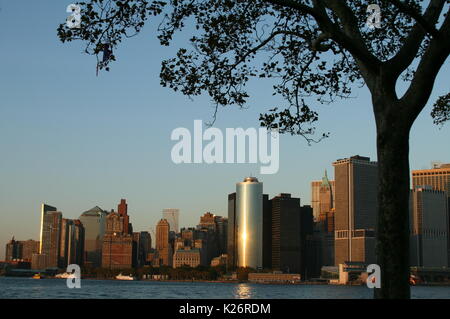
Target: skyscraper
column 231, row 238
column 316, row 187
column 428, row 220
column 94, row 223
column 66, row 225
column 71, row 243
column 267, row 232
column 50, row 235
column 172, row 215
column 326, row 196
column 356, row 209
column 12, row 250
column 439, row 179
column 163, row 247
column 222, row 233
column 249, row 223
column 44, row 209
column 286, row 233
column 117, row 251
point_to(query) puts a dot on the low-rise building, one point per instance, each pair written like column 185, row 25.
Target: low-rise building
column 274, row 278
column 187, row 256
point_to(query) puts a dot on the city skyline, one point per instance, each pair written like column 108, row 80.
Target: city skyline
column 153, row 227
column 62, row 144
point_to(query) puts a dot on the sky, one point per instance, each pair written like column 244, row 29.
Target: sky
column 75, row 140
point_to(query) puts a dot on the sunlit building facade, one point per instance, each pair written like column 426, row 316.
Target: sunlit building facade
column 249, row 223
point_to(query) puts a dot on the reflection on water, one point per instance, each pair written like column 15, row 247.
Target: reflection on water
column 243, row 291
column 99, row 289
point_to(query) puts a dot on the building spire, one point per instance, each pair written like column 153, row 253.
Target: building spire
column 325, row 180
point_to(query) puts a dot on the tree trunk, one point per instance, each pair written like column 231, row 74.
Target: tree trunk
column 393, row 206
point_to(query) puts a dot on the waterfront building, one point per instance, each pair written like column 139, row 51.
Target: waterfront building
column 428, row 220
column 231, row 238
column 29, row 247
column 71, row 243
column 439, row 179
column 21, row 250
column 94, row 223
column 356, row 205
column 249, row 223
column 50, row 235
column 187, row 257
column 324, row 232
column 163, row 247
column 222, row 233
column 13, row 250
column 274, row 277
column 286, row 233
column 117, row 250
column 267, row 232
column 39, row 261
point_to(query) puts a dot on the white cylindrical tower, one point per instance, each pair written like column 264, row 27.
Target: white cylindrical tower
column 249, row 223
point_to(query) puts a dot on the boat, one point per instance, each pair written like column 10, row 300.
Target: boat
column 123, row 277
column 64, row 275
column 37, row 276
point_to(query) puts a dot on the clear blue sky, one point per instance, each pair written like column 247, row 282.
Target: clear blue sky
column 74, row 140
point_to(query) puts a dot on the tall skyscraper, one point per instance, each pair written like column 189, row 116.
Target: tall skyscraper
column 94, row 223
column 356, row 209
column 71, row 243
column 439, row 179
column 317, row 190
column 231, row 238
column 44, row 209
column 50, row 235
column 249, row 223
column 12, row 250
column 222, row 233
column 326, row 196
column 117, row 251
column 267, row 232
column 66, row 225
column 286, row 233
column 163, row 247
column 429, row 231
column 172, row 215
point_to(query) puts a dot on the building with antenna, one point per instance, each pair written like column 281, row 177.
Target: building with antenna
column 172, row 215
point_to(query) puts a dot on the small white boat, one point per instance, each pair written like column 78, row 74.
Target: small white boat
column 64, row 275
column 123, row 277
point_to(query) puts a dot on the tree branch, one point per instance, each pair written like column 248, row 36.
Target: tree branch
column 418, row 93
column 408, row 51
column 416, row 15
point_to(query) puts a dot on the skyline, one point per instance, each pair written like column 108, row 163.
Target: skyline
column 111, row 139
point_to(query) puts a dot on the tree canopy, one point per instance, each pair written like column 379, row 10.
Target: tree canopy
column 314, row 50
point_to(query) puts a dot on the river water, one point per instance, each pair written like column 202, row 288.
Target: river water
column 13, row 287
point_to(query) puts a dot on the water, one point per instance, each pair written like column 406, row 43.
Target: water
column 11, row 287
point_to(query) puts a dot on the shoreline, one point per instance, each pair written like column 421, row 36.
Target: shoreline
column 305, row 283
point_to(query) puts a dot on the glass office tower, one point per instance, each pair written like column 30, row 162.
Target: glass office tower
column 249, row 223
